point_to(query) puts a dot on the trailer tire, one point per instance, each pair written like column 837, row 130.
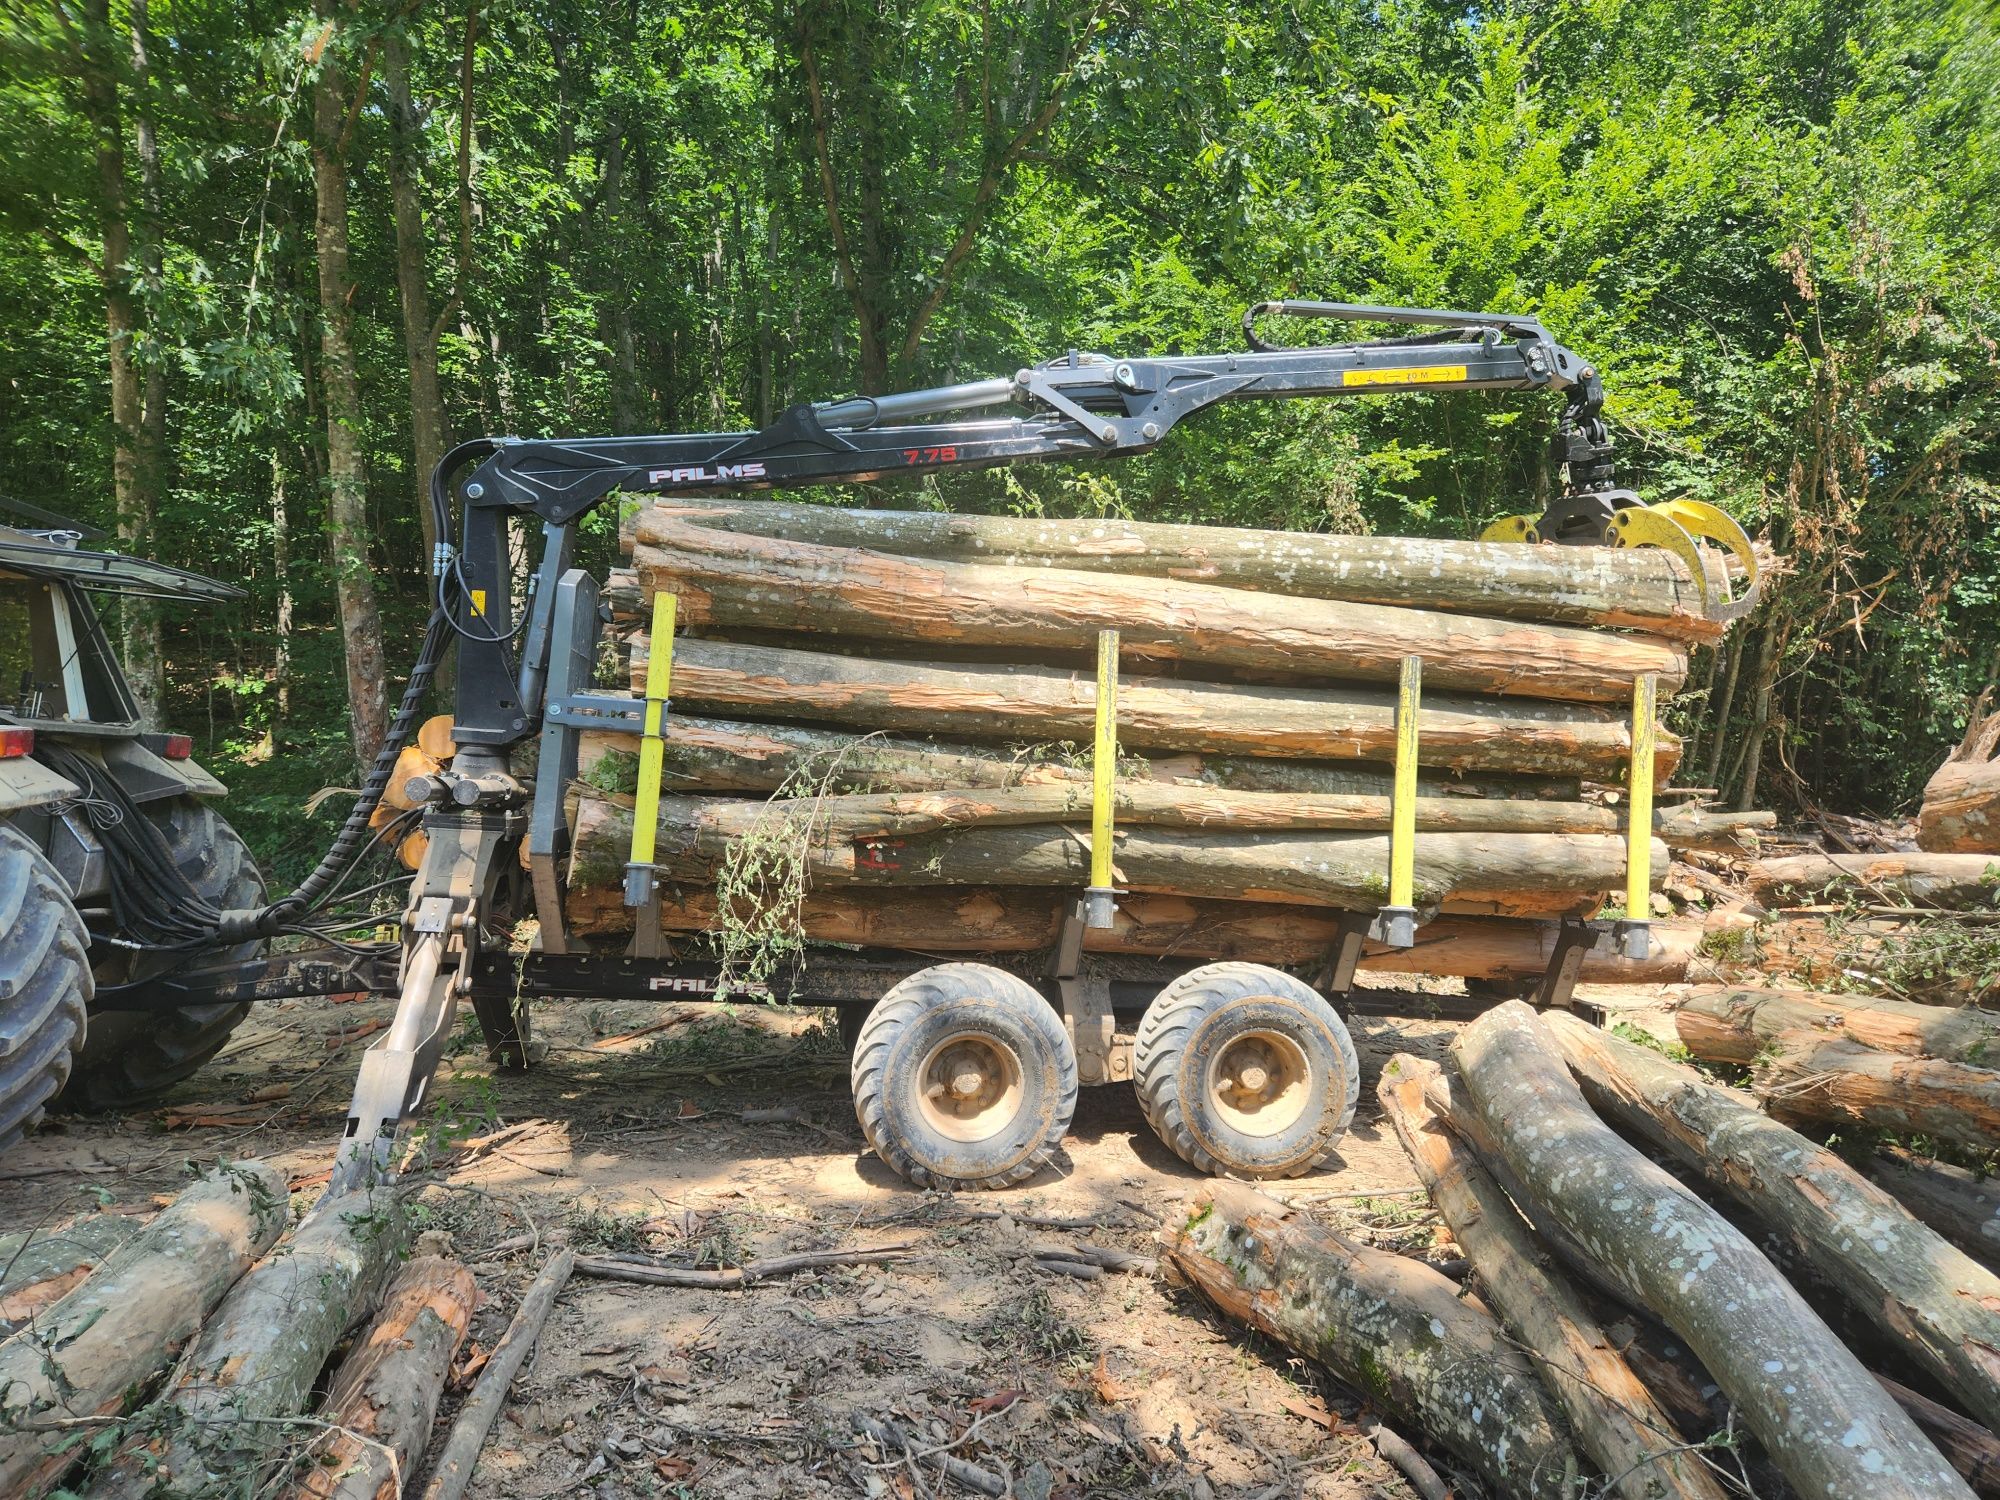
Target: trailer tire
column 131, row 1057
column 964, row 1078
column 1296, row 1076
column 45, row 983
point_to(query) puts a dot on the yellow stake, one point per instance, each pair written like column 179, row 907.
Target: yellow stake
column 1403, row 801
column 1104, row 761
column 1639, row 783
column 652, row 748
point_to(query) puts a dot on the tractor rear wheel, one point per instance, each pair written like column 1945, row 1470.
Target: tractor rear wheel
column 45, row 983
column 132, row 1056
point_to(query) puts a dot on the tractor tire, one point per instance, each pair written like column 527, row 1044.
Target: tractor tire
column 1247, row 1070
column 964, row 1078
column 133, row 1056
column 45, row 984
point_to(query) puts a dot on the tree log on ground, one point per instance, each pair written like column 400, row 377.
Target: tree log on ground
column 1615, row 1418
column 1737, row 1025
column 1957, row 882
column 1479, row 874
column 39, row 1266
column 1819, row 1413
column 99, row 1347
column 1961, row 807
column 718, row 755
column 386, row 1390
column 1962, row 1207
column 1042, row 704
column 225, row 1421
column 731, row 581
column 1931, row 1300
column 1389, row 1326
column 1803, row 1078
column 1642, row 588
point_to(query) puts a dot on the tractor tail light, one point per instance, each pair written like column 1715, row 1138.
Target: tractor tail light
column 16, row 742
column 177, row 747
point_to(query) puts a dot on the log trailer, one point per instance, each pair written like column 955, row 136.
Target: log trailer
column 965, row 1074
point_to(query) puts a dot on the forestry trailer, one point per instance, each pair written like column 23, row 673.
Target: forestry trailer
column 965, row 1073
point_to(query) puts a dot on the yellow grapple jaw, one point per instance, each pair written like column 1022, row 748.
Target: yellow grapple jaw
column 1676, row 526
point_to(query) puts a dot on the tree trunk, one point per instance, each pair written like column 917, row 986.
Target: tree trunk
column 730, row 581
column 428, row 435
column 1736, row 1025
column 261, row 1351
column 1473, row 874
column 1964, row 1208
column 386, row 1391
column 144, row 657
column 1956, row 881
column 720, row 755
column 281, row 570
column 1761, row 682
column 1391, row 1327
column 1039, row 704
column 1961, row 808
column 96, row 1349
column 40, row 1266
column 1635, row 588
column 1935, row 1303
column 1822, row 1417
column 1615, row 1418
column 347, row 477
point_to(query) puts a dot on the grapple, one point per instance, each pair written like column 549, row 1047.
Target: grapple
column 1618, row 519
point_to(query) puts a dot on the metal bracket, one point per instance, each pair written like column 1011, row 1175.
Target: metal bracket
column 1575, row 941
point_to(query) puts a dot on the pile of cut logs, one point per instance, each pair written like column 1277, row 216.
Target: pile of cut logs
column 1673, row 1292
column 823, row 648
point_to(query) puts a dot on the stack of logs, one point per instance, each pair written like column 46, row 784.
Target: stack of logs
column 823, row 649
column 1674, row 1293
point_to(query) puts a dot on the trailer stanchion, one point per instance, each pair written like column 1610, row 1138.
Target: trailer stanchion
column 1101, row 900
column 642, row 888
column 1633, row 932
column 1396, row 922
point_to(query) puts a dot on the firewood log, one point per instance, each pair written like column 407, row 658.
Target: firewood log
column 1615, row 1419
column 1958, row 882
column 225, row 1421
column 1961, row 807
column 38, row 1266
column 99, row 1347
column 1041, row 704
column 1963, row 1208
column 1391, row 1327
column 1736, row 1025
column 731, row 581
column 1818, row 1412
column 1644, row 589
column 1934, row 1302
column 386, row 1391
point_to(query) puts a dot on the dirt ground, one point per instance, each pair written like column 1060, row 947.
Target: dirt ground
column 630, row 1137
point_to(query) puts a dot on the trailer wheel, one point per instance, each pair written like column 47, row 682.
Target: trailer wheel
column 964, row 1078
column 132, row 1056
column 1245, row 1069
column 45, row 983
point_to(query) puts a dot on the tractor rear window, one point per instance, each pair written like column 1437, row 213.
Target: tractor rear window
column 31, row 675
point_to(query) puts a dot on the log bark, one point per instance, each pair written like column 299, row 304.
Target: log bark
column 1952, row 881
column 719, row 755
column 1479, row 874
column 1615, row 1419
column 100, row 1346
column 1389, row 1326
column 386, row 1391
column 1639, row 588
column 726, row 580
column 1971, row 1449
column 1961, row 807
column 1928, row 1298
column 1822, row 1417
column 1803, row 1078
column 1737, row 1025
column 40, row 1266
column 1041, row 704
column 225, row 1421
column 1963, row 1208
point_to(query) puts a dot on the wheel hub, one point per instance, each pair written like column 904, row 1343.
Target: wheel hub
column 1260, row 1083
column 970, row 1087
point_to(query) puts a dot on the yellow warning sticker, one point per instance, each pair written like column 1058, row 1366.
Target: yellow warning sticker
column 1412, row 375
column 478, row 601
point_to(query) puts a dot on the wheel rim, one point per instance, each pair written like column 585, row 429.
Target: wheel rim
column 970, row 1087
column 1260, row 1083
